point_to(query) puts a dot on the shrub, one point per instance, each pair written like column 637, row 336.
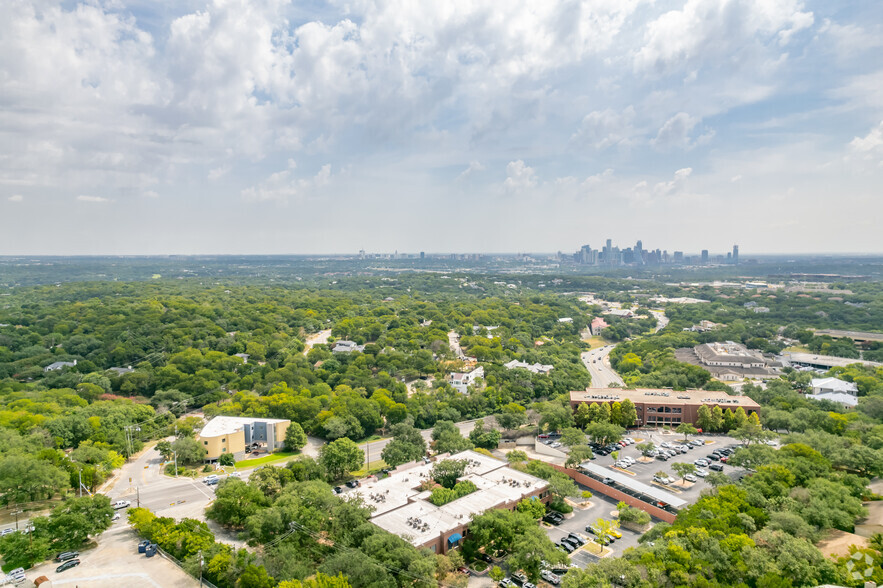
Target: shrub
column 561, row 506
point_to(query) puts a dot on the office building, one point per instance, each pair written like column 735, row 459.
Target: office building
column 402, row 507
column 236, row 435
column 656, row 407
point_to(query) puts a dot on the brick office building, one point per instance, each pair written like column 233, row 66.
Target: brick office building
column 657, row 407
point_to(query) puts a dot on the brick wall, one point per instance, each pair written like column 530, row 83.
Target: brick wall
column 597, row 487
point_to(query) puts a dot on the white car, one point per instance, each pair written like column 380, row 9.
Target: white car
column 550, row 577
column 628, row 459
column 701, row 473
column 121, row 504
column 690, row 478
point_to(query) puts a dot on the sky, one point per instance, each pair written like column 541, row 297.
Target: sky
column 274, row 127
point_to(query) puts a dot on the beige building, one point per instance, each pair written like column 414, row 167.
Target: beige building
column 401, row 507
column 236, row 435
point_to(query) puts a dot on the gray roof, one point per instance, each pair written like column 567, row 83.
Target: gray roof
column 627, row 482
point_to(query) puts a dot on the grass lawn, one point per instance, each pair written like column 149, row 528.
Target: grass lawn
column 797, row 349
column 272, row 458
column 595, row 342
column 374, row 466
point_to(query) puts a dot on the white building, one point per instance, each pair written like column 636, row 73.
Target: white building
column 347, row 347
column 461, row 381
column 536, row 368
column 845, row 393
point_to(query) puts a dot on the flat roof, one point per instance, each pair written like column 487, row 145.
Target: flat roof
column 826, row 360
column 401, row 508
column 662, row 396
column 625, row 481
column 225, row 425
column 855, row 335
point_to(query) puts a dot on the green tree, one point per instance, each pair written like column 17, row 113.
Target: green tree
column 535, row 508
column 605, row 433
column 704, row 419
column 645, row 448
column 407, row 445
column 554, row 416
column 717, row 479
column 340, row 456
column 189, row 450
column 572, row 436
column 295, row 438
column 448, row 471
column 512, row 416
column 628, row 414
column 516, row 456
column 234, row 502
column 21, row 550
column 24, row 478
column 686, row 429
column 482, row 437
column 683, row 469
column 165, row 449
column 448, row 439
column 578, row 455
column 496, row 574
column 227, row 459
column 72, row 522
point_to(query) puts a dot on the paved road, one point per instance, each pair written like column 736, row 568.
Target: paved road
column 454, row 343
column 661, row 320
column 319, row 338
column 598, row 364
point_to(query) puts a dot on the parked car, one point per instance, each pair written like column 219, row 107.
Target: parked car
column 71, row 563
column 579, row 540
column 702, row 463
column 716, row 467
column 519, row 578
column 662, row 456
column 337, row 490
column 550, row 577
column 464, row 570
column 555, row 445
column 506, row 583
column 725, row 459
column 713, row 457
column 566, row 546
column 6, row 532
column 607, row 481
column 570, row 542
column 701, row 473
column 661, row 480
column 696, row 443
column 353, row 484
column 121, row 504
column 690, row 478
column 614, row 533
column 65, row 555
column 529, row 585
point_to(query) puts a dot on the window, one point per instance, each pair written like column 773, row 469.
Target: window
column 223, row 440
column 223, row 450
column 205, row 442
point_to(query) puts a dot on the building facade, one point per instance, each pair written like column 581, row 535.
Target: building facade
column 658, row 407
column 236, row 435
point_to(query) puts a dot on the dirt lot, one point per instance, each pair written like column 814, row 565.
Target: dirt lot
column 116, row 562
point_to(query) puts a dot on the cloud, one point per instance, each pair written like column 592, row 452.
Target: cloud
column 150, row 194
column 869, row 147
column 218, row 173
column 718, row 33
column 282, row 186
column 519, row 177
column 675, row 185
column 94, row 199
column 474, row 167
column 736, row 178
column 16, row 198
column 676, row 131
column 606, row 128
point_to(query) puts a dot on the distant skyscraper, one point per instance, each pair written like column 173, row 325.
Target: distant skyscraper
column 705, row 256
column 422, row 255
column 735, row 254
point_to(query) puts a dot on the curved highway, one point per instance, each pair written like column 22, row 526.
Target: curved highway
column 598, row 364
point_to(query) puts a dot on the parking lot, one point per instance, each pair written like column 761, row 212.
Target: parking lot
column 644, row 472
column 116, row 562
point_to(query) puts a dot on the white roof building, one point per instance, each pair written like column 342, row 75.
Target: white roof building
column 461, row 381
column 401, row 508
column 838, row 397
column 226, row 425
column 833, row 386
column 536, row 368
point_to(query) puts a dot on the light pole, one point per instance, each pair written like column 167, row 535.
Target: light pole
column 201, row 562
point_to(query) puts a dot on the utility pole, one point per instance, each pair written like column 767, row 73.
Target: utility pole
column 176, row 464
column 138, row 495
column 81, row 482
column 201, row 562
column 16, row 513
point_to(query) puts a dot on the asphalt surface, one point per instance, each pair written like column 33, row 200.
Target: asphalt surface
column 598, row 364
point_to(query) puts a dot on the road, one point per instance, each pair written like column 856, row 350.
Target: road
column 454, row 343
column 319, row 338
column 598, row 364
column 661, row 320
